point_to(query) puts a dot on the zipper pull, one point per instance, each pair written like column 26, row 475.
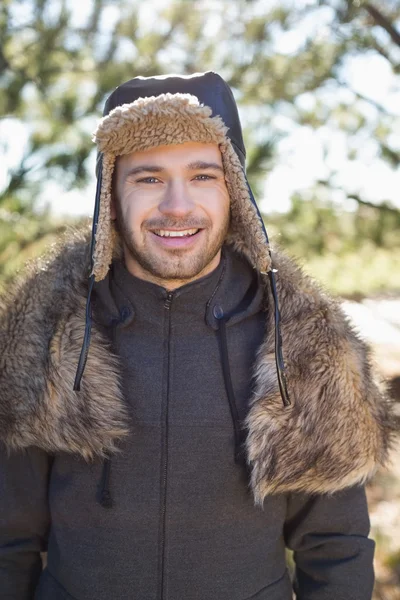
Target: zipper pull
column 168, row 300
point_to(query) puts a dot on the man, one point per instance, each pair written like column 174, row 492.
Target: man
column 200, row 431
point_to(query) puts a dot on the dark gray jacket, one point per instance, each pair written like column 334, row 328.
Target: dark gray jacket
column 147, row 491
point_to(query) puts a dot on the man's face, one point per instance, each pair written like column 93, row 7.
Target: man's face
column 172, row 209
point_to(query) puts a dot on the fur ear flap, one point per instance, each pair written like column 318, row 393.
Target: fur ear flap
column 103, row 249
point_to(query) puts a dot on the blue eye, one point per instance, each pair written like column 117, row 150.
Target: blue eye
column 148, row 180
column 204, row 177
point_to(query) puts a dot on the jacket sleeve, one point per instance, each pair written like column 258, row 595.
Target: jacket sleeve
column 24, row 521
column 332, row 553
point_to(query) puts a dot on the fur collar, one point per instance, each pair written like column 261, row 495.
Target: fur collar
column 337, row 430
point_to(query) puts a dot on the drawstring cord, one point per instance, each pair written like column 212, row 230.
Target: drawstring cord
column 239, row 432
column 105, row 499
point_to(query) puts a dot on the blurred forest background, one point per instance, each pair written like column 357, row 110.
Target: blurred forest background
column 291, row 66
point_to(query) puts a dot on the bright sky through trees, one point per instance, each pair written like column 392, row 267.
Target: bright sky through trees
column 303, row 155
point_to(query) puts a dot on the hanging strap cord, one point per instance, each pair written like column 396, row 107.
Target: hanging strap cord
column 88, row 321
column 280, row 363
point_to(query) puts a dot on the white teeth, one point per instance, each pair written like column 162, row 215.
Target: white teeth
column 166, row 233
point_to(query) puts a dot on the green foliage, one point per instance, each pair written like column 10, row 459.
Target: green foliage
column 24, row 235
column 313, row 227
column 353, row 253
column 369, row 272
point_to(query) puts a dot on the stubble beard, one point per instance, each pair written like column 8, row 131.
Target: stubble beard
column 173, row 264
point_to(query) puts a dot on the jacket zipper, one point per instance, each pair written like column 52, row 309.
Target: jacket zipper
column 164, row 465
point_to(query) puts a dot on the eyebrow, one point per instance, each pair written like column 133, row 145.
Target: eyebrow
column 193, row 166
column 199, row 164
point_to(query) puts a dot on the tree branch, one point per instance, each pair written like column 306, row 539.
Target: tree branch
column 376, row 46
column 384, row 206
column 383, row 21
column 360, row 96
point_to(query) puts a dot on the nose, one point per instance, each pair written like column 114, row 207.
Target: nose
column 176, row 201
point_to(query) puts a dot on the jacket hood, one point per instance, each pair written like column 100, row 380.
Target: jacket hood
column 209, row 88
column 338, row 429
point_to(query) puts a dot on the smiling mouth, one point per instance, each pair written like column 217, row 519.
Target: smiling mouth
column 168, row 233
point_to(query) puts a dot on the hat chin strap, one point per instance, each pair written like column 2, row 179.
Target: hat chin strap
column 280, row 365
column 88, row 319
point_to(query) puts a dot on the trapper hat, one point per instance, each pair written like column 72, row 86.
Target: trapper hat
column 147, row 112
